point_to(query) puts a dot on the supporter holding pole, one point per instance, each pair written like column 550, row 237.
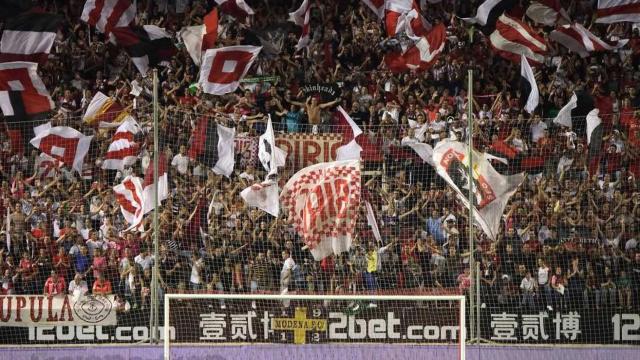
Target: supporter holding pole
column 154, row 279
column 472, row 265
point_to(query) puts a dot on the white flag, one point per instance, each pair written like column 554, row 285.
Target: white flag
column 271, row 156
column 491, row 189
column 265, row 196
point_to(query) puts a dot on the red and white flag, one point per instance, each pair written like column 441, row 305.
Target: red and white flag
column 264, row 196
column 613, row 11
column 200, row 38
column 422, row 55
column 123, row 150
column 147, row 45
column 129, row 196
column 236, row 8
column 223, row 68
column 578, row 39
column 322, row 202
column 513, row 38
column 104, row 112
column 301, row 18
column 29, row 37
column 107, row 15
column 401, row 14
column 22, row 92
column 491, row 189
column 547, row 12
column 64, row 144
column 149, row 188
column 47, row 166
column 351, row 150
column 377, row 6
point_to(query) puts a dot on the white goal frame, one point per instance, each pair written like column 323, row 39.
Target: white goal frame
column 365, row 298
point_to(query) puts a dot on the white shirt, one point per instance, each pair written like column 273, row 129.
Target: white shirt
column 78, row 289
column 144, row 262
column 527, row 285
column 181, row 163
column 287, row 267
column 543, row 276
column 537, row 131
column 195, row 272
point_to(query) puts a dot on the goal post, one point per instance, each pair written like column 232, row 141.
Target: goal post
column 437, row 322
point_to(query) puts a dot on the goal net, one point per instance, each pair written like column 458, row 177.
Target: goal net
column 314, row 326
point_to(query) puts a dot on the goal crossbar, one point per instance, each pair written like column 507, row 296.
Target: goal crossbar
column 277, row 297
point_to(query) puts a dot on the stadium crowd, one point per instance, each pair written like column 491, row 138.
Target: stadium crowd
column 569, row 238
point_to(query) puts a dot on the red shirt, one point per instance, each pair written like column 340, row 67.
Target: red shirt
column 54, row 286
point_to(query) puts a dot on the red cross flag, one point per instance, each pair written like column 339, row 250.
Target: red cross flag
column 63, row 143
column 223, row 68
column 322, row 203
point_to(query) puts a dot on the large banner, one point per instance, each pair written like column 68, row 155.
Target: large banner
column 302, row 149
column 36, row 310
column 197, row 322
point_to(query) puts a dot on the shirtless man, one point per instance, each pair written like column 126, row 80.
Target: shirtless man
column 313, row 108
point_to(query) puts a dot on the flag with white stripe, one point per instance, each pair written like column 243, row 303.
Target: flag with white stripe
column 613, row 11
column 488, row 13
column 104, row 112
column 198, row 39
column 29, row 37
column 123, row 150
column 513, row 38
column 147, row 45
column 128, row 194
column 578, row 39
column 107, row 15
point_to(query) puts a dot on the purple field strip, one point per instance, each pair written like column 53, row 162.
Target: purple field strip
column 321, row 352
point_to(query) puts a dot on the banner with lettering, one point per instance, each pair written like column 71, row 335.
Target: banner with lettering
column 327, row 92
column 34, row 310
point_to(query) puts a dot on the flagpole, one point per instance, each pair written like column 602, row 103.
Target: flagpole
column 154, row 281
column 472, row 265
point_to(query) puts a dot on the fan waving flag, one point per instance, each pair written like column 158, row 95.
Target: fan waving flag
column 236, row 8
column 513, row 38
column 322, row 202
column 578, row 39
column 104, row 112
column 129, row 196
column 401, row 14
column 547, row 12
column 352, row 150
column 29, row 37
column 213, row 145
column 301, row 17
column 22, row 92
column 613, row 11
column 491, row 190
column 147, row 45
column 107, row 15
column 223, row 68
column 200, row 38
column 149, row 188
column 488, row 13
column 264, row 196
column 65, row 144
column 422, row 55
column 528, row 86
column 271, row 156
column 123, row 150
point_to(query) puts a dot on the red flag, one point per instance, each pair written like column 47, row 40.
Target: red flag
column 149, row 187
column 513, row 38
column 422, row 55
column 239, row 9
column 613, row 11
column 301, row 18
column 223, row 68
column 63, row 143
column 129, row 196
column 323, row 202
